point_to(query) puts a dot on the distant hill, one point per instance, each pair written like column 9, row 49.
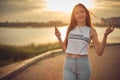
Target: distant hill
column 113, row 21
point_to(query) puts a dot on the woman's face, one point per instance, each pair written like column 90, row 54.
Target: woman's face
column 80, row 14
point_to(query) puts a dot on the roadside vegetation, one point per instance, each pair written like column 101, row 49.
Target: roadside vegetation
column 10, row 54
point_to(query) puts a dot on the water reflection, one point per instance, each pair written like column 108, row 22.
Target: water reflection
column 24, row 36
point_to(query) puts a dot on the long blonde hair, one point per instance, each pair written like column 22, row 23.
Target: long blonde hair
column 73, row 21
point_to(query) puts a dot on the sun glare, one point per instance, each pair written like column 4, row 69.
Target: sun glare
column 67, row 5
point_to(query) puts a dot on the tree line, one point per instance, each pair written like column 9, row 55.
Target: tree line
column 32, row 24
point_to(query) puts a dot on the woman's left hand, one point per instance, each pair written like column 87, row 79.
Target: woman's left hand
column 109, row 30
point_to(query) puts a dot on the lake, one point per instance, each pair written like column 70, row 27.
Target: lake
column 25, row 36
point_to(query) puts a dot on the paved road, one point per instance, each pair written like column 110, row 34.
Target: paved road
column 106, row 67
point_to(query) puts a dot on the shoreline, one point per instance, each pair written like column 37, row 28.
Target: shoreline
column 107, row 44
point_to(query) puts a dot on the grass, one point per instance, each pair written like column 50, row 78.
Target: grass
column 10, row 54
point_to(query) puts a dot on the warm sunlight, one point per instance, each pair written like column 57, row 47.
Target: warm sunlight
column 67, row 5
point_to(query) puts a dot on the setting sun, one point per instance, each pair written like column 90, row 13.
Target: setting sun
column 67, row 5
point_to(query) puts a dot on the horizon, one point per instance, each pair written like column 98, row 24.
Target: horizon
column 52, row 10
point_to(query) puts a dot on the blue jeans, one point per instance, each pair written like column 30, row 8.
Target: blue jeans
column 77, row 69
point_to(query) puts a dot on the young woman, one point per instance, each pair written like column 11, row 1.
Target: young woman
column 78, row 36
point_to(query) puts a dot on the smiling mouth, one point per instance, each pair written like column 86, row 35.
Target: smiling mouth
column 81, row 17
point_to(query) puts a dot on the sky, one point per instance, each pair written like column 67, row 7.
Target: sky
column 49, row 10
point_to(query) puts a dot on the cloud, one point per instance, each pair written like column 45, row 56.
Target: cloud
column 18, row 6
column 35, row 16
column 39, row 10
column 107, row 3
column 106, row 9
column 46, row 16
column 28, row 10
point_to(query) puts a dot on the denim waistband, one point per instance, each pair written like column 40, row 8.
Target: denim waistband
column 77, row 65
column 77, row 58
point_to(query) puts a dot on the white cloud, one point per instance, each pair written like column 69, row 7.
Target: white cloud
column 19, row 6
column 37, row 10
column 107, row 3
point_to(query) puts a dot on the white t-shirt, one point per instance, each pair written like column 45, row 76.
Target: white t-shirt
column 78, row 40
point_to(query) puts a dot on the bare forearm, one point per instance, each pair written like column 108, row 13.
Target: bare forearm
column 99, row 47
column 108, row 31
column 102, row 45
column 62, row 44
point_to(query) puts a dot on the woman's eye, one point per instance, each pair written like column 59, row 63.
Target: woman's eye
column 82, row 11
column 77, row 12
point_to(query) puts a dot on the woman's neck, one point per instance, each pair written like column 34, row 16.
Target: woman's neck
column 81, row 24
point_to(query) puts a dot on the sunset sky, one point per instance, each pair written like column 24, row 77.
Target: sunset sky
column 46, row 10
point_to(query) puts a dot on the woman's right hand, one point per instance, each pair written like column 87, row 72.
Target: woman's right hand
column 57, row 33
